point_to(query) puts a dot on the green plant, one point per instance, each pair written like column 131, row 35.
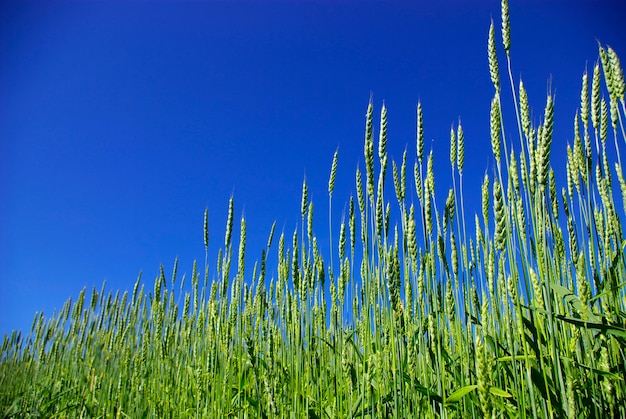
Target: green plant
column 525, row 318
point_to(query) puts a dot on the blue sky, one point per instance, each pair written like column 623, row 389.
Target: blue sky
column 121, row 121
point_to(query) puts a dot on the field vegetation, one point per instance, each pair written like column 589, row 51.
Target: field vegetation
column 421, row 310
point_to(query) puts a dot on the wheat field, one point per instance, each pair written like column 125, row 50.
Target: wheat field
column 420, row 310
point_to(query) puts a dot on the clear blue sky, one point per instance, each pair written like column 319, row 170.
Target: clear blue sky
column 121, row 121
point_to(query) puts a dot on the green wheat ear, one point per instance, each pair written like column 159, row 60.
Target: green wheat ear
column 430, row 173
column 310, row 222
column 342, row 240
column 305, row 198
column 595, row 97
column 617, row 76
column 206, row 228
column 604, row 121
column 396, row 182
column 499, row 216
column 584, row 100
column 607, row 70
column 368, row 150
column 545, row 142
column 506, row 33
column 333, row 172
column 495, row 126
column 485, row 200
column 524, row 109
column 420, row 133
column 403, row 176
column 493, row 58
column 271, row 236
column 453, row 148
column 359, row 190
column 460, row 147
column 382, row 139
column 418, row 182
column 514, row 173
column 352, row 222
column 622, row 183
column 242, row 250
column 229, row 223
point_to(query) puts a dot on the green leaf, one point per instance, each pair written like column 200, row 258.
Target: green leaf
column 616, row 331
column 421, row 389
column 459, row 394
column 356, row 405
column 568, row 296
column 496, row 391
column 510, row 358
column 608, row 292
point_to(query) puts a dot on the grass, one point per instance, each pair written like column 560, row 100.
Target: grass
column 519, row 311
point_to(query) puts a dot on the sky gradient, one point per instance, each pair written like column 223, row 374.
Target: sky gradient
column 120, row 122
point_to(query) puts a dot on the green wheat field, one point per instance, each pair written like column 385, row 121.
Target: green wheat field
column 518, row 311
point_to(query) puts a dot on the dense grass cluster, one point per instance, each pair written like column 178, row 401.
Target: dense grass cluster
column 519, row 311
